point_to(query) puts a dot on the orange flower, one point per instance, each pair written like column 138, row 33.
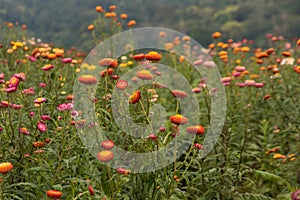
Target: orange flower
column 123, row 16
column 91, row 27
column 144, row 75
column 179, row 93
column 87, row 79
column 286, row 53
column 198, row 129
column 54, row 194
column 51, row 56
column 261, row 55
column 131, row 23
column 108, row 62
column 298, row 42
column 216, row 35
column 270, row 51
column 105, row 155
column 297, row 69
column 24, row 26
column 245, row 49
column 162, row 34
column 99, row 9
column 112, row 7
column 70, row 97
column 39, row 144
column 178, row 119
column 135, row 97
column 153, row 56
column 278, row 155
column 5, row 167
column 259, row 61
column 110, row 14
column 211, row 46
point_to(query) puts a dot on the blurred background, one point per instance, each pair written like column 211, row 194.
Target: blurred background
column 65, row 22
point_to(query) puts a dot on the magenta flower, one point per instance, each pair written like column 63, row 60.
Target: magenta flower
column 42, row 127
column 47, row 67
column 296, row 195
column 11, row 89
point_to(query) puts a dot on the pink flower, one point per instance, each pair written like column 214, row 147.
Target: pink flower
column 42, row 84
column 31, row 114
column 29, row 91
column 42, row 127
column 259, row 85
column 121, row 170
column 66, row 60
column 65, row 106
column 153, row 137
column 40, row 100
column 24, row 131
column 45, row 117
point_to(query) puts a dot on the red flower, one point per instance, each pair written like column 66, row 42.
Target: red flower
column 91, row 190
column 139, row 57
column 5, row 167
column 106, row 72
column 42, row 127
column 198, row 146
column 108, row 62
column 105, row 155
column 179, row 93
column 144, row 75
column 135, row 97
column 267, row 96
column 107, row 144
column 178, row 119
column 87, row 79
column 198, row 129
column 122, row 84
column 54, row 194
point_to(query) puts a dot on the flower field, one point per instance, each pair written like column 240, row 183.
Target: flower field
column 52, row 147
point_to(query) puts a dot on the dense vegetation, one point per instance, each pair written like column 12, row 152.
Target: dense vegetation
column 65, row 23
column 63, row 142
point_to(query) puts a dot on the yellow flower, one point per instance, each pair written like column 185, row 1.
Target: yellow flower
column 123, row 65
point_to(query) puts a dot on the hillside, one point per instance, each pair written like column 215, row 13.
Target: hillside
column 67, row 23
